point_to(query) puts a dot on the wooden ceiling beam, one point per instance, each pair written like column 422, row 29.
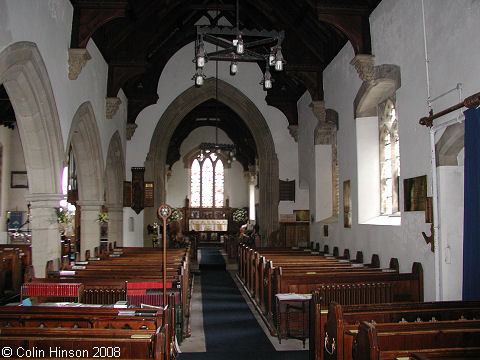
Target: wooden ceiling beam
column 88, row 16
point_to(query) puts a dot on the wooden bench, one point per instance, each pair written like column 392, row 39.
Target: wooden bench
column 340, row 324
column 447, row 339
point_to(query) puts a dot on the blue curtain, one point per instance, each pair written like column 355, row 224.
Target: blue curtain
column 471, row 224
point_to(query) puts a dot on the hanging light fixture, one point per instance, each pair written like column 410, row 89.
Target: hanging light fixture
column 245, row 46
column 267, row 80
column 199, row 77
column 279, row 61
column 229, row 149
column 200, row 57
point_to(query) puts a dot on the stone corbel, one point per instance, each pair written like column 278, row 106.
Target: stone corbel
column 364, row 64
column 131, row 130
column 112, row 105
column 77, row 58
column 293, row 129
column 318, row 109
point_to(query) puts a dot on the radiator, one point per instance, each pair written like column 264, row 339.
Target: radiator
column 103, row 296
column 351, row 294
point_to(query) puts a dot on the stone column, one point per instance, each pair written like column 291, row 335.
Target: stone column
column 90, row 228
column 115, row 225
column 45, row 232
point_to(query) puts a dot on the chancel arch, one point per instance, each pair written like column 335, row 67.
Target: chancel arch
column 155, row 164
column 25, row 78
column 84, row 140
column 114, row 177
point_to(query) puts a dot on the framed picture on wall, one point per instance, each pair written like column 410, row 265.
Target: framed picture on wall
column 18, row 179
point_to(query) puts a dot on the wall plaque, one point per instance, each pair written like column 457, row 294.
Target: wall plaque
column 415, row 193
column 347, row 205
column 148, row 201
column 138, row 186
column 286, row 190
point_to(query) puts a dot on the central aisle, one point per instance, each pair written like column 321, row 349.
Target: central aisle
column 231, row 330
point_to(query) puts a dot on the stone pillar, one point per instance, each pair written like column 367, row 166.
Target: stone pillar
column 89, row 227
column 115, row 225
column 45, row 232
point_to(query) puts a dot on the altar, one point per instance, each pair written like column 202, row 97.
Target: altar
column 201, row 225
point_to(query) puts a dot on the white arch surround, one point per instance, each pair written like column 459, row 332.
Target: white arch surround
column 25, row 77
column 155, row 164
column 114, row 177
column 84, row 139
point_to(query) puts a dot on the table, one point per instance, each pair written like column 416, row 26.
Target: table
column 292, row 316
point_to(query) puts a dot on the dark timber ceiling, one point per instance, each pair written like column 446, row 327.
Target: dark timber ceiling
column 138, row 37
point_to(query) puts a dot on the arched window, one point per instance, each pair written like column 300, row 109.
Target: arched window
column 389, row 158
column 207, row 180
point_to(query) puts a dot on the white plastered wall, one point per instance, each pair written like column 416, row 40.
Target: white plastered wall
column 397, row 38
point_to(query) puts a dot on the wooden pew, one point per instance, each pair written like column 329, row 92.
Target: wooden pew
column 341, row 322
column 85, row 343
column 449, row 339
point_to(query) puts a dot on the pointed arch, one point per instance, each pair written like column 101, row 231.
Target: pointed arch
column 84, row 139
column 155, row 164
column 114, row 172
column 25, row 78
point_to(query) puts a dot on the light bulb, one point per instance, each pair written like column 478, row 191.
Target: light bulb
column 233, row 67
column 200, row 61
column 199, row 80
column 240, row 47
column 268, row 84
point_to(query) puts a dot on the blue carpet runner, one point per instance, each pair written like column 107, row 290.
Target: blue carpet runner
column 231, row 330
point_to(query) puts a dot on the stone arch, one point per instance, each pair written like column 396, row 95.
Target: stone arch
column 114, row 172
column 450, row 144
column 155, row 164
column 84, row 140
column 25, row 78
column 114, row 177
column 386, row 82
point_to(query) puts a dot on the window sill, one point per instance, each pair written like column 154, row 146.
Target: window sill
column 395, row 220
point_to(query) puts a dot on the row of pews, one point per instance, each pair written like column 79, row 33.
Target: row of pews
column 269, row 272
column 357, row 310
column 88, row 332
column 147, row 329
column 409, row 330
column 14, row 259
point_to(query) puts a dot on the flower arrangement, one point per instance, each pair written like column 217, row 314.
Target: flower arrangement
column 240, row 215
column 152, row 229
column 176, row 215
column 103, row 218
column 63, row 215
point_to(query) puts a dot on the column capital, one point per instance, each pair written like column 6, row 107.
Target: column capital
column 43, row 200
column 364, row 64
column 131, row 130
column 77, row 59
column 111, row 106
column 89, row 205
column 293, row 129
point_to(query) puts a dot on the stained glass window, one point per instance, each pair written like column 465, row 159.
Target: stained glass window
column 195, row 184
column 207, row 181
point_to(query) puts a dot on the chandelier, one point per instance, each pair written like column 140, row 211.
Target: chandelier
column 239, row 45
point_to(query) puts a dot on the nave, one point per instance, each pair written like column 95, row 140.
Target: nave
column 230, row 329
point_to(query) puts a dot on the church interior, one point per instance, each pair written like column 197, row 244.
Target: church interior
column 253, row 179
